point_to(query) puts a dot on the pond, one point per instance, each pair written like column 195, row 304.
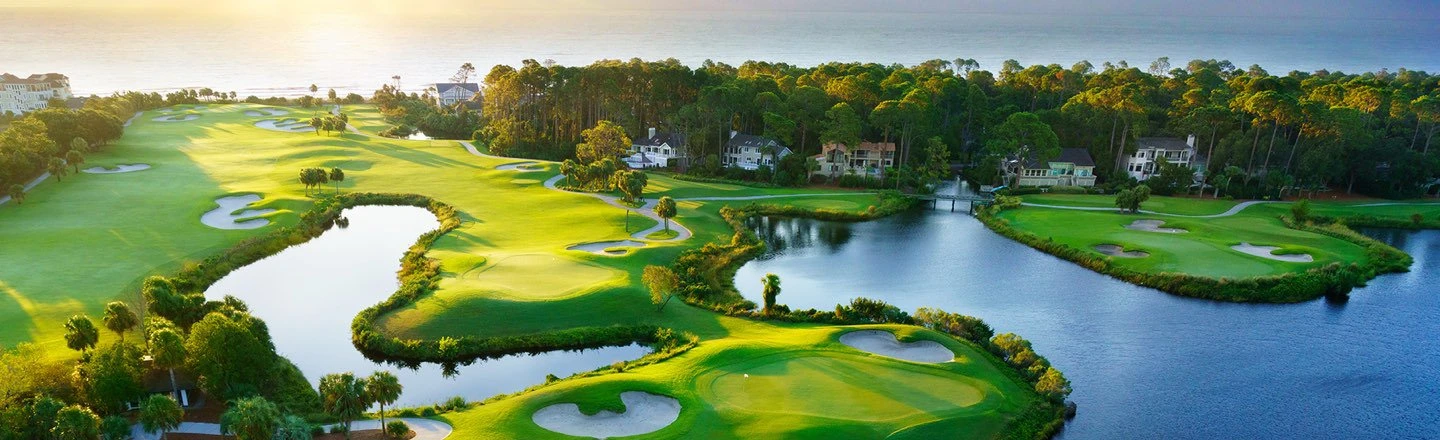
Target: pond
column 1145, row 364
column 308, row 294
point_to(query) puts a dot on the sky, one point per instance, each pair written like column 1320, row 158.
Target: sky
column 1404, row 9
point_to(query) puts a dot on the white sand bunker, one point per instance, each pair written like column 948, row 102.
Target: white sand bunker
column 286, row 125
column 1153, row 226
column 609, row 248
column 122, row 168
column 521, row 166
column 884, row 343
column 266, row 112
column 177, row 118
column 1118, row 251
column 644, row 413
column 225, row 217
column 1269, row 252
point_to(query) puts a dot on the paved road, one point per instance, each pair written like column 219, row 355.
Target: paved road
column 1232, row 211
column 1229, row 212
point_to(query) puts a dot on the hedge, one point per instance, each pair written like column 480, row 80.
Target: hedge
column 1335, row 279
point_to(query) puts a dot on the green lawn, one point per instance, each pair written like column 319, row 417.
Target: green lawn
column 77, row 244
column 1205, row 249
column 801, row 384
column 1172, row 205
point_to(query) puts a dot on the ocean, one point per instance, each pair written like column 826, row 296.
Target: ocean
column 283, row 54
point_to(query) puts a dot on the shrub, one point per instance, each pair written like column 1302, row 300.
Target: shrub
column 455, row 404
column 427, row 412
column 397, row 429
column 1300, row 210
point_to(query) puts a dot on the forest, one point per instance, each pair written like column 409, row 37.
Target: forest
column 1259, row 134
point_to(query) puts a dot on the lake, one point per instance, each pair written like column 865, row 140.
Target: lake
column 282, row 54
column 1145, row 364
column 308, row 295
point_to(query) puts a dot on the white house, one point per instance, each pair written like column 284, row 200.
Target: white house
column 448, row 94
column 1073, row 167
column 19, row 95
column 750, row 151
column 868, row 158
column 1144, row 163
column 658, row 150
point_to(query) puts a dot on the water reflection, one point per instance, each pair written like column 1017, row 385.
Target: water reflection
column 1146, row 364
column 308, row 295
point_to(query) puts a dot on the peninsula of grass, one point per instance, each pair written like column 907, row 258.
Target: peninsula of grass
column 489, row 275
column 1202, row 261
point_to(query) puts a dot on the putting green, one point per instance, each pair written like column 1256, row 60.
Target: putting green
column 848, row 387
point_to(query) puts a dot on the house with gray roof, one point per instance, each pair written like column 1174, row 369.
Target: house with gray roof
column 750, row 151
column 448, row 94
column 1073, row 167
column 1149, row 150
column 658, row 150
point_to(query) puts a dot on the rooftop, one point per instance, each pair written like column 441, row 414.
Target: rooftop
column 1078, row 156
column 38, row 78
column 1163, row 143
column 442, row 87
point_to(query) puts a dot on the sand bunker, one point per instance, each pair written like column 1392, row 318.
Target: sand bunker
column 1269, row 252
column 266, row 112
column 1153, row 226
column 644, row 413
column 1118, row 251
column 225, row 217
column 286, row 125
column 884, row 343
column 521, row 166
column 609, row 248
column 122, row 168
column 177, row 118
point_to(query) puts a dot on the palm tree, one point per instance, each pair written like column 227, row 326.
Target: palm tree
column 56, row 166
column 344, row 397
column 772, row 290
column 76, row 155
column 567, row 168
column 383, row 388
column 252, row 418
column 337, row 175
column 666, row 210
column 17, row 193
column 160, row 413
column 76, row 422
column 120, row 319
column 167, row 347
column 80, row 333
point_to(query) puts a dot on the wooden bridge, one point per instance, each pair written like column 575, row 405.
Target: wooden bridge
column 972, row 199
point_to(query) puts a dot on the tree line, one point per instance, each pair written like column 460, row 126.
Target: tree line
column 1369, row 132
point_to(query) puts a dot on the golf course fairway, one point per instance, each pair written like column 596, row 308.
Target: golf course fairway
column 506, row 270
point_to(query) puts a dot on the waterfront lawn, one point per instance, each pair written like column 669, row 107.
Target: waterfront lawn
column 1205, row 250
column 77, row 244
column 801, row 384
column 1169, row 205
